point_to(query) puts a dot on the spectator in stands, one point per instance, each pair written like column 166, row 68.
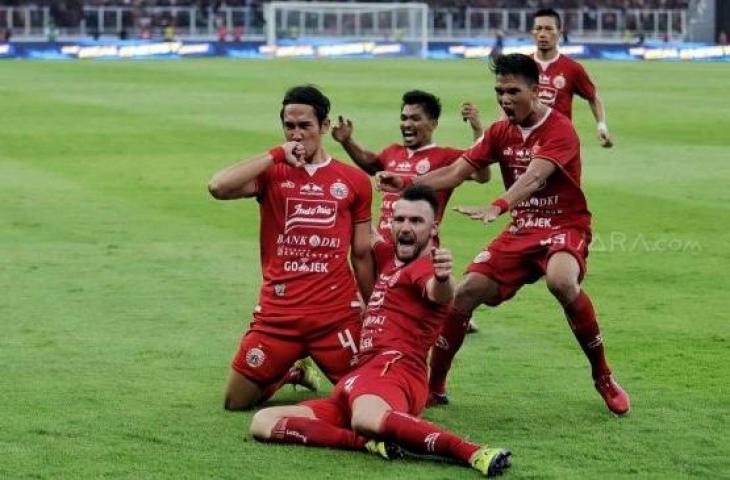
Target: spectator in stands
column 722, row 38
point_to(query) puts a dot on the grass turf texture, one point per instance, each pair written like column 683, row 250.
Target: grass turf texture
column 125, row 287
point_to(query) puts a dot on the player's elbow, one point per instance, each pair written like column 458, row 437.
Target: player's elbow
column 216, row 189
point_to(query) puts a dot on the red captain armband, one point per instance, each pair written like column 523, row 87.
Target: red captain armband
column 502, row 204
column 278, row 154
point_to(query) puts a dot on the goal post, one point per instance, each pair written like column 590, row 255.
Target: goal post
column 303, row 22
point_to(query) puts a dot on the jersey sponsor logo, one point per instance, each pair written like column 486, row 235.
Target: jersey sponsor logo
column 539, row 202
column 523, row 155
column 403, row 167
column 339, row 190
column 559, row 81
column 374, row 321
column 306, row 266
column 534, row 222
column 544, row 79
column 287, row 184
column 547, row 95
column 483, row 257
column 558, row 239
column 255, row 357
column 377, row 297
column 366, row 343
column 313, row 240
column 311, row 189
column 303, row 213
column 423, row 166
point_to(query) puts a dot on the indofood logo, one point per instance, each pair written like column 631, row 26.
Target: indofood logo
column 309, row 214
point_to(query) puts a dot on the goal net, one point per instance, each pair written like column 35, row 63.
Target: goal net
column 319, row 23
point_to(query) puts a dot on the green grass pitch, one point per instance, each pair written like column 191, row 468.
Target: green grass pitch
column 125, row 288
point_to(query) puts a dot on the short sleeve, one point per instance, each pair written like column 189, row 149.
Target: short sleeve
column 583, row 85
column 482, row 152
column 420, row 273
column 560, row 146
column 362, row 205
column 384, row 156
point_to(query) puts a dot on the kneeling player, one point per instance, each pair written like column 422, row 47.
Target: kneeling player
column 382, row 397
column 314, row 210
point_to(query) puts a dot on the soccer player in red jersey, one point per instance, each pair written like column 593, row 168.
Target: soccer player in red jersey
column 417, row 155
column 539, row 155
column 383, row 396
column 562, row 77
column 314, row 209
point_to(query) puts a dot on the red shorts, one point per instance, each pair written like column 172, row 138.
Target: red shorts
column 265, row 354
column 515, row 260
column 387, row 376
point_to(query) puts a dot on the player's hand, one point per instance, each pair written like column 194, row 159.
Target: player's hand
column 484, row 214
column 389, row 182
column 604, row 136
column 443, row 264
column 470, row 113
column 295, row 153
column 342, row 130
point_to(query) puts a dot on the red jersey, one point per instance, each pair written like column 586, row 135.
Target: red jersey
column 560, row 202
column 307, row 220
column 408, row 163
column 560, row 79
column 399, row 316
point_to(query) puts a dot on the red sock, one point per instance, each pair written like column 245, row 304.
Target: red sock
column 443, row 353
column 582, row 319
column 316, row 433
column 292, row 376
column 420, row 436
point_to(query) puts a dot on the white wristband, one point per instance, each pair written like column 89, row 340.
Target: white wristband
column 602, row 127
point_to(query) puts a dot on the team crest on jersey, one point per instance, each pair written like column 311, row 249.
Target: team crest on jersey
column 255, row 357
column 305, row 213
column 339, row 190
column 311, row 189
column 483, row 257
column 287, row 184
column 559, row 81
column 280, row 289
column 423, row 166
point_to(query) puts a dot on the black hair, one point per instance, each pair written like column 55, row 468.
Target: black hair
column 307, row 95
column 416, row 192
column 515, row 64
column 428, row 101
column 548, row 12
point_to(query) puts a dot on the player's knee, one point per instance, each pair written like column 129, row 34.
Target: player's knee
column 238, row 403
column 563, row 288
column 261, row 424
column 470, row 294
column 367, row 426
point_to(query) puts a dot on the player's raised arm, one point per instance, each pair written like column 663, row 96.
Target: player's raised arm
column 441, row 287
column 239, row 180
column 361, row 256
column 365, row 159
column 470, row 113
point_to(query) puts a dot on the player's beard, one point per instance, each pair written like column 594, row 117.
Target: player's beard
column 406, row 252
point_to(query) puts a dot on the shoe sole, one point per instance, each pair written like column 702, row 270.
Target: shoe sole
column 500, row 463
